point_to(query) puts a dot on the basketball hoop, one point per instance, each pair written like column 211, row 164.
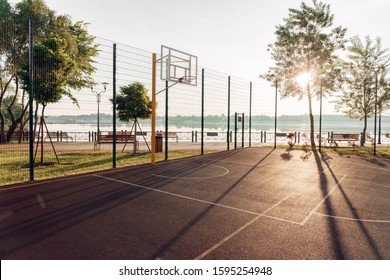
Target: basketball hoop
column 183, row 80
column 186, row 79
column 178, row 67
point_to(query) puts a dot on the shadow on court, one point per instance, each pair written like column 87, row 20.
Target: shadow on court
column 334, row 232
column 240, row 204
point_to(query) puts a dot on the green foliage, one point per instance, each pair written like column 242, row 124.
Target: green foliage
column 53, row 67
column 63, row 54
column 366, row 68
column 306, row 43
column 133, row 103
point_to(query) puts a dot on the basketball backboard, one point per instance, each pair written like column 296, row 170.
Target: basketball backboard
column 178, row 66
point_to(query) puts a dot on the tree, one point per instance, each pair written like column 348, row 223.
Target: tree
column 133, row 103
column 306, row 43
column 53, row 68
column 58, row 41
column 14, row 43
column 365, row 78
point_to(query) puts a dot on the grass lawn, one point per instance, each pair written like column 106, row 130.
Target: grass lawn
column 14, row 164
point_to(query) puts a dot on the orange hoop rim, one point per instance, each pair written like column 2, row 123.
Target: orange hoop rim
column 187, row 79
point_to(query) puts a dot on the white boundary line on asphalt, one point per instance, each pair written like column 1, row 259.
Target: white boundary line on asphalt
column 353, row 219
column 312, row 212
column 233, row 234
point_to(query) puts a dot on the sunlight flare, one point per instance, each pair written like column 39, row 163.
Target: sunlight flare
column 304, row 78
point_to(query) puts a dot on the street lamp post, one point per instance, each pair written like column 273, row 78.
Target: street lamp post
column 98, row 99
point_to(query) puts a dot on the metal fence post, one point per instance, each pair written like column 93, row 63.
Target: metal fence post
column 202, row 121
column 114, row 108
column 235, row 130
column 31, row 99
column 250, row 115
column 228, row 118
column 166, row 120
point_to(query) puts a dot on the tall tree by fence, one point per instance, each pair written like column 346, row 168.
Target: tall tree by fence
column 365, row 80
column 306, row 43
column 64, row 48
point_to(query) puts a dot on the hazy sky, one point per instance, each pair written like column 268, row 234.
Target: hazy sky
column 230, row 36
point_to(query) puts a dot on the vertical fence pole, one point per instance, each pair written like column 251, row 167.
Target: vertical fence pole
column 228, row 118
column 153, row 154
column 31, row 98
column 166, row 120
column 202, row 121
column 276, row 111
column 243, row 131
column 250, row 115
column 376, row 107
column 380, row 128
column 114, row 107
column 235, row 130
column 320, row 136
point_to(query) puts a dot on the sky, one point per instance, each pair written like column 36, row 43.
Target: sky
column 230, row 36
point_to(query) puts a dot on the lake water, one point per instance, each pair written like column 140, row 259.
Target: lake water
column 344, row 125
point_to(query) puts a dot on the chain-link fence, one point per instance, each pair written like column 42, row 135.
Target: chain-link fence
column 223, row 112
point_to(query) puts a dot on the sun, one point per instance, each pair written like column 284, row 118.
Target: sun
column 304, row 78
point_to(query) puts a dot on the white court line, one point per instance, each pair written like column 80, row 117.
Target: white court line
column 280, row 168
column 230, row 236
column 352, row 219
column 369, row 166
column 371, row 183
column 177, row 195
column 322, row 201
column 205, row 201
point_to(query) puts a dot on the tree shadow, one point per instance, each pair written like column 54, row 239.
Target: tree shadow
column 94, row 198
column 202, row 214
column 335, row 234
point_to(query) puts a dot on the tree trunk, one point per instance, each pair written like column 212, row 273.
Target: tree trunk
column 3, row 136
column 135, row 136
column 312, row 137
column 42, row 128
column 15, row 122
column 3, row 87
column 363, row 138
column 35, row 119
column 22, row 117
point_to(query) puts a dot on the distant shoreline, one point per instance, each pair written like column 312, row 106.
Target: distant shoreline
column 299, row 123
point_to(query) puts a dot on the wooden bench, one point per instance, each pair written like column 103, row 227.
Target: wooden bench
column 120, row 138
column 281, row 134
column 172, row 135
column 346, row 137
column 17, row 134
column 58, row 136
column 212, row 134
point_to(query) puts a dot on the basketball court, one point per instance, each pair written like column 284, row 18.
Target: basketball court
column 252, row 203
